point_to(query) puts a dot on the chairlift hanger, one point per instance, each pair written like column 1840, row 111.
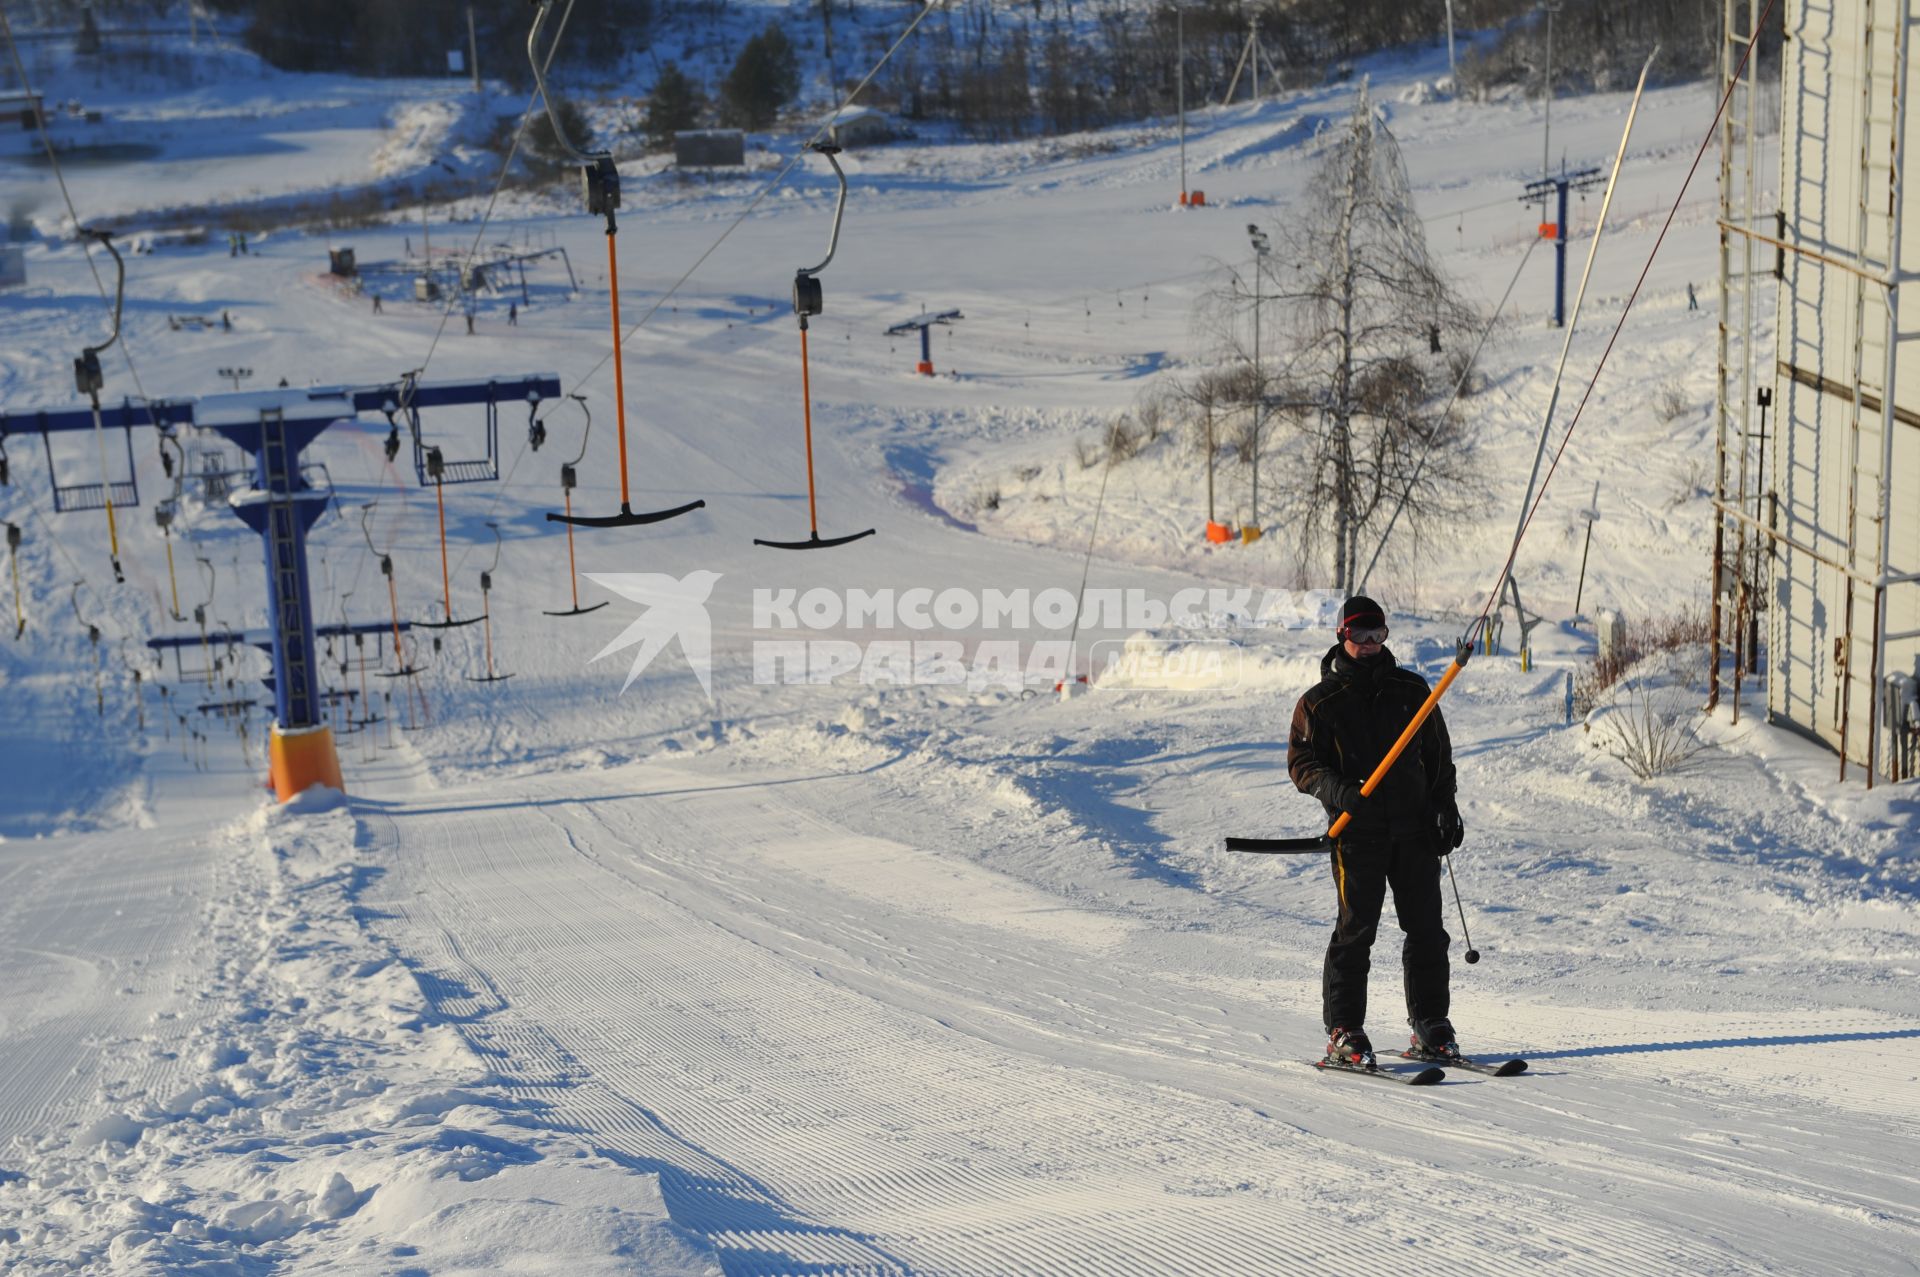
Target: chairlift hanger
column 393, row 599
column 367, row 715
column 569, row 477
column 436, row 469
column 90, row 380
column 600, row 186
column 808, row 300
column 13, row 559
column 486, row 611
column 139, row 680
column 536, row 428
column 93, row 638
column 163, row 515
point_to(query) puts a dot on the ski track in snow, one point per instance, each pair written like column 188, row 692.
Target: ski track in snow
column 794, row 1023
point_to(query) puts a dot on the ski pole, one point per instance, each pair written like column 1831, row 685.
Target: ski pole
column 1473, row 954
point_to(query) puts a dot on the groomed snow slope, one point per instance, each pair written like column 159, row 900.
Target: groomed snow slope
column 932, row 980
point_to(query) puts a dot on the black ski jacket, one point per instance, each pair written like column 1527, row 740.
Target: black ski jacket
column 1345, row 724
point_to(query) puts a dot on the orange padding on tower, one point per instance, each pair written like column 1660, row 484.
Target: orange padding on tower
column 303, row 757
column 924, row 368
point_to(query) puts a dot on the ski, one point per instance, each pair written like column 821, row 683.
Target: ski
column 1425, row 1077
column 1506, row 1068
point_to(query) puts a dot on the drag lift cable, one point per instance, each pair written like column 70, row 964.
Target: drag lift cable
column 90, row 380
column 808, row 300
column 569, row 478
column 600, row 186
column 486, row 611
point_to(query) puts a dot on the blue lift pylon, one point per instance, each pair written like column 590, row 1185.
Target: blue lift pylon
column 275, row 426
column 924, row 324
column 1537, row 193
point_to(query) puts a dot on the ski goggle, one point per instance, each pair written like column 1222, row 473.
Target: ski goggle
column 1369, row 634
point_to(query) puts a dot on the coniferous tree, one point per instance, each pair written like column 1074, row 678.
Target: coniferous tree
column 764, row 78
column 675, row 105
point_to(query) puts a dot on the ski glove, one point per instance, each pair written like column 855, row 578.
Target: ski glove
column 1449, row 830
column 1339, row 792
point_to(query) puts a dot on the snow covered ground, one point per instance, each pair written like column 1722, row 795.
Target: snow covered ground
column 938, row 978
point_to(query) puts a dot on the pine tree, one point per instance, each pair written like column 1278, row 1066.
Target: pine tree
column 764, row 78
column 675, row 105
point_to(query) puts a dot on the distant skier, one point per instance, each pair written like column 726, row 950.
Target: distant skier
column 1693, row 303
column 1341, row 730
column 513, row 314
column 376, row 303
column 469, row 323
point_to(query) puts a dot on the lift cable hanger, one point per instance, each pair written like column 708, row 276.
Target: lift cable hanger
column 89, row 379
column 486, row 611
column 569, row 477
column 165, row 511
column 436, row 470
column 600, row 185
column 93, row 638
column 13, row 558
column 139, row 679
column 393, row 601
column 808, row 300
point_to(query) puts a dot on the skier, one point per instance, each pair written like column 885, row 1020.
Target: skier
column 1342, row 728
column 1693, row 303
column 513, row 314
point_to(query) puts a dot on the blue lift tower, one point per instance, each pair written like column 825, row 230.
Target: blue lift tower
column 275, row 426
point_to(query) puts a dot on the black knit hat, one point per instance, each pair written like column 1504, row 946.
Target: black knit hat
column 1362, row 611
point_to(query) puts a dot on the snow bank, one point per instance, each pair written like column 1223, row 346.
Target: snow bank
column 331, row 1118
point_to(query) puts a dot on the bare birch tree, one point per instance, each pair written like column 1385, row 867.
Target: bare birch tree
column 1364, row 317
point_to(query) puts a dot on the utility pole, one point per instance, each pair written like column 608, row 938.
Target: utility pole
column 473, row 50
column 1180, row 90
column 1253, row 43
column 1261, row 247
column 1450, row 67
column 1546, row 138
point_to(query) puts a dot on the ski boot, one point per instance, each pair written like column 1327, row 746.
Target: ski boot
column 1350, row 1049
column 1433, row 1040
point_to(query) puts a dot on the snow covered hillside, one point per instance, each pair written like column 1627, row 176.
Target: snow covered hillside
column 773, row 972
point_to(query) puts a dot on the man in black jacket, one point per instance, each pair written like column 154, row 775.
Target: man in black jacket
column 1341, row 730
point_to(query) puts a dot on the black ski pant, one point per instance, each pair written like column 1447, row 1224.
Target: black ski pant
column 1362, row 871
